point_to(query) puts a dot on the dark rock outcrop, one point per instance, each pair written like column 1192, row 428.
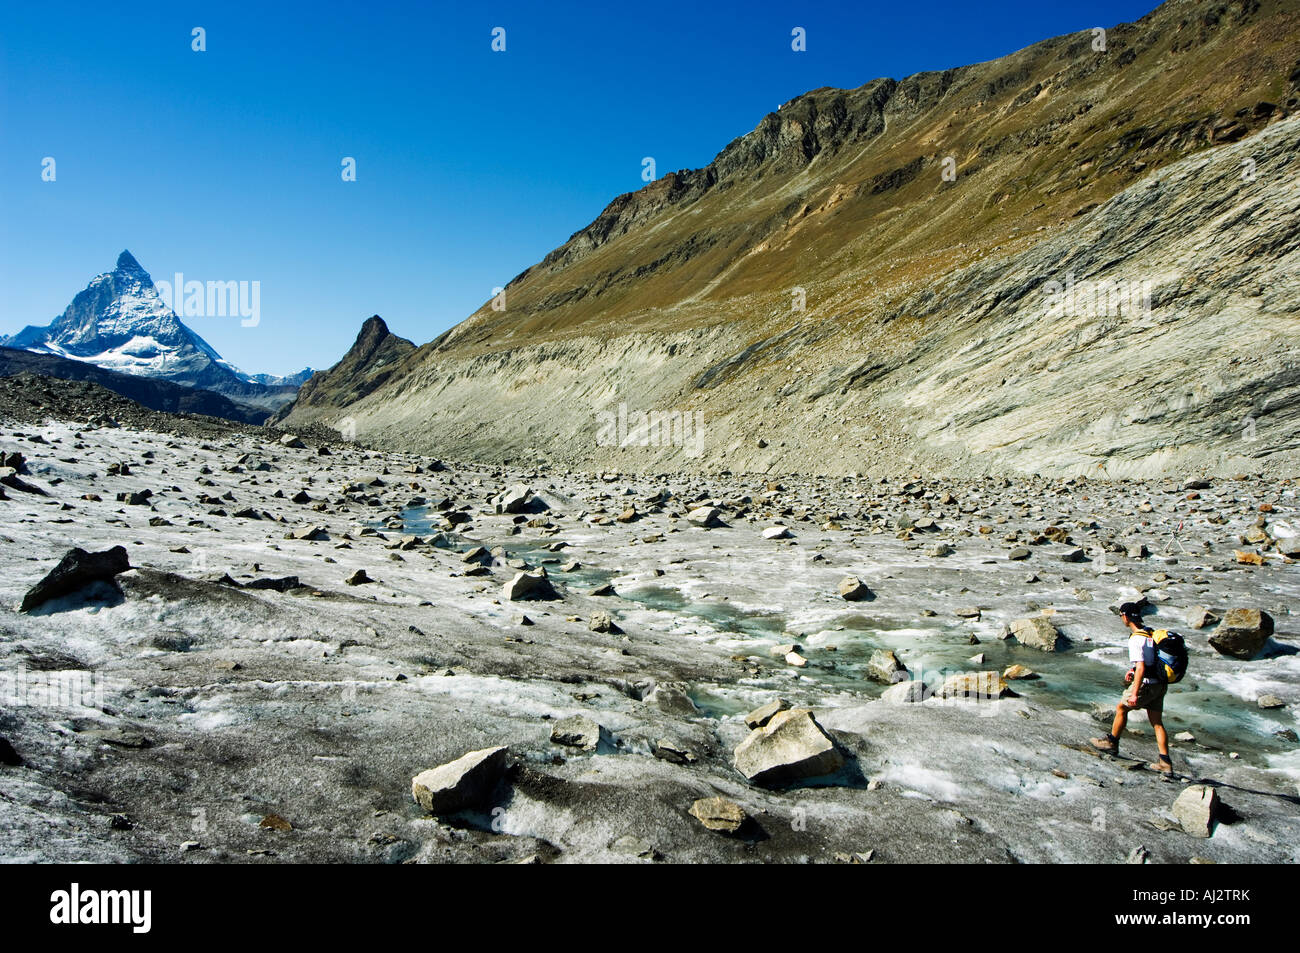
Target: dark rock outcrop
column 76, row 570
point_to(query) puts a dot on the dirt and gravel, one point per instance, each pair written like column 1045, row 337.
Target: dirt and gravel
column 244, row 693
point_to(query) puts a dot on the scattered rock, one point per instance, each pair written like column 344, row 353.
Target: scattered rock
column 705, row 516
column 76, row 570
column 358, row 578
column 601, row 622
column 885, row 667
column 9, row 477
column 974, row 685
column 761, row 715
column 719, row 814
column 673, row 699
column 1198, row 617
column 1242, row 633
column 518, row 499
column 1195, row 809
column 278, row 583
column 577, row 731
column 854, row 589
column 906, row 693
column 529, row 585
column 789, row 747
column 1037, row 632
column 467, row 782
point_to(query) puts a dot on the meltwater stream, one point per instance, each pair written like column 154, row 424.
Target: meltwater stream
column 1081, row 677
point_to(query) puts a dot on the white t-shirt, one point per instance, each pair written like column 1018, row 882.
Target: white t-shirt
column 1142, row 648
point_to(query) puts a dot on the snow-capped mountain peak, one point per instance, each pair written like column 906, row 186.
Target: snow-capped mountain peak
column 120, row 322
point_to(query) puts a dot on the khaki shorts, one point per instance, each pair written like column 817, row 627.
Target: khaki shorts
column 1150, row 695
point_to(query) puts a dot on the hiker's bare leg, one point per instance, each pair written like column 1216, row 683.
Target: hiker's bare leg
column 1121, row 719
column 1157, row 718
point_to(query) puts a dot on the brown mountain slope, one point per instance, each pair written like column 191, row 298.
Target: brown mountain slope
column 371, row 360
column 682, row 297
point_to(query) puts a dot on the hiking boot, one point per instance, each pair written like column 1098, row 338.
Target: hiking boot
column 1164, row 767
column 1104, row 744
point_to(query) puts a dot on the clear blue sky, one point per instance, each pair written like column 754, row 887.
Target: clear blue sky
column 471, row 165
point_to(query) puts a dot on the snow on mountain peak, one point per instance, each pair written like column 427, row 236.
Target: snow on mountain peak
column 121, row 322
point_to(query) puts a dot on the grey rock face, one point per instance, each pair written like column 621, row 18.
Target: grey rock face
column 1001, row 375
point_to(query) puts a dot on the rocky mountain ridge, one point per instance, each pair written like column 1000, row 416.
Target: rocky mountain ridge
column 923, row 273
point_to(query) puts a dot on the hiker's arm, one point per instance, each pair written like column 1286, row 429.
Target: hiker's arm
column 1138, row 674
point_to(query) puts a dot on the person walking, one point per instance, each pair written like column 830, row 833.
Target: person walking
column 1147, row 685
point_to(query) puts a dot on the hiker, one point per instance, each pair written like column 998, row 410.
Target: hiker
column 1147, row 683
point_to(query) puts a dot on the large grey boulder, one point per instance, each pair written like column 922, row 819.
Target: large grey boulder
column 853, row 589
column 467, row 782
column 974, row 685
column 518, row 498
column 910, row 692
column 9, row 477
column 705, row 516
column 529, row 585
column 577, row 731
column 673, row 699
column 76, row 570
column 1037, row 632
column 789, row 747
column 1242, row 633
column 1194, row 810
column 761, row 715
column 884, row 666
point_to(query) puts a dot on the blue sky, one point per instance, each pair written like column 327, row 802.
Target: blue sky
column 471, row 165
